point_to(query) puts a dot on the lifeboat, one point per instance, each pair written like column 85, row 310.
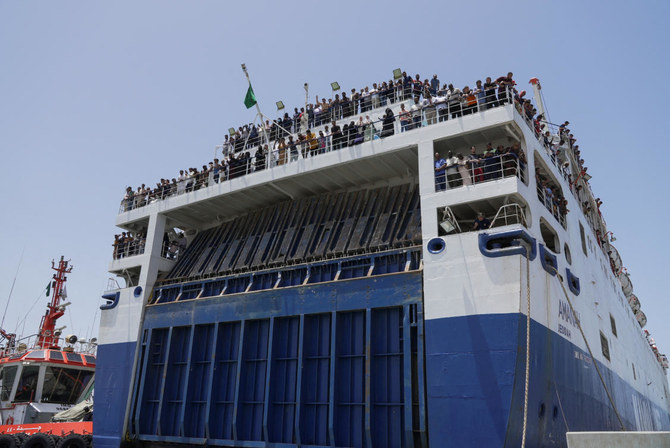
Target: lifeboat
column 616, row 259
column 626, row 284
column 634, row 303
column 641, row 318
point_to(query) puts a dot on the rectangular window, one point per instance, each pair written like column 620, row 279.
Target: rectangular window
column 581, row 233
column 7, row 376
column 613, row 323
column 605, row 346
column 27, row 384
column 62, row 385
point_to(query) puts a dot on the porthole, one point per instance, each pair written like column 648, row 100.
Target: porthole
column 138, row 291
column 436, row 245
column 568, row 255
column 540, row 411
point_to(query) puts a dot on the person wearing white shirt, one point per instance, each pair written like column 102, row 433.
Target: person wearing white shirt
column 453, row 177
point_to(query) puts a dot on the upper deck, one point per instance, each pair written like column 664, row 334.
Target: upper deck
column 378, row 153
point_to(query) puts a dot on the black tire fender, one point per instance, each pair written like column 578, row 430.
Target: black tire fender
column 9, row 441
column 39, row 440
column 73, row 441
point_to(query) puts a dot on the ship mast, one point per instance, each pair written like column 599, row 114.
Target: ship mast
column 46, row 337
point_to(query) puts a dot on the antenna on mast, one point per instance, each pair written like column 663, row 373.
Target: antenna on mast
column 47, row 336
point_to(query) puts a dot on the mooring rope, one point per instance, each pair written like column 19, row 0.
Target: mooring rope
column 525, row 399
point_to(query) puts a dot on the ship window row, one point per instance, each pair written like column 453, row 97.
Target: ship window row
column 287, row 144
column 458, row 168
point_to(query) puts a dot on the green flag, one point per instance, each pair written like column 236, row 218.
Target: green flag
column 250, row 99
column 48, row 288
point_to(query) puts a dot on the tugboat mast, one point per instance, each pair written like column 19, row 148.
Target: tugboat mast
column 46, row 337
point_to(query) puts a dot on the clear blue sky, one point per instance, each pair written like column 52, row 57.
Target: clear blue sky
column 95, row 96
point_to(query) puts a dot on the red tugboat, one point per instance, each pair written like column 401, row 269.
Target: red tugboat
column 43, row 377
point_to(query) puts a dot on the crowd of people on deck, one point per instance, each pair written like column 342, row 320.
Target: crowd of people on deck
column 344, row 121
column 494, row 163
column 291, row 137
column 127, row 244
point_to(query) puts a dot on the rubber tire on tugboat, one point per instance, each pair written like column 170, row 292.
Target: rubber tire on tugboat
column 39, row 440
column 74, row 441
column 9, row 441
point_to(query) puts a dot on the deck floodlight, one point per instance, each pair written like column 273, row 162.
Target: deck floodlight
column 231, row 131
column 335, row 86
column 280, row 105
column 397, row 73
column 587, row 177
column 447, row 225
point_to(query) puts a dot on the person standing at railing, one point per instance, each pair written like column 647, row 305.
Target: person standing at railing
column 453, row 177
column 491, row 162
column 505, row 86
column 416, row 113
column 428, row 107
column 417, row 87
column 469, row 101
column 345, row 105
column 475, row 163
column 480, row 93
column 490, row 93
column 336, row 135
column 387, row 123
column 463, row 170
column 405, row 118
column 354, row 101
column 434, row 85
column 292, row 148
column 454, row 100
column 374, row 96
column 296, row 120
column 280, row 148
column 440, row 173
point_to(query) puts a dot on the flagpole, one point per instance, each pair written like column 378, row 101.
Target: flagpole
column 258, row 109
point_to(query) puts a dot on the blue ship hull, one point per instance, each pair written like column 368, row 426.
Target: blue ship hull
column 225, row 371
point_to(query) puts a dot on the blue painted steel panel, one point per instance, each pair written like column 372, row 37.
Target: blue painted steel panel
column 315, row 396
column 282, row 390
column 252, row 380
column 175, row 386
column 198, row 381
column 112, row 387
column 350, row 371
column 225, row 381
column 475, row 368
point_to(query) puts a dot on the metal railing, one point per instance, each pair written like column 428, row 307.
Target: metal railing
column 360, row 128
column 135, row 246
column 552, row 202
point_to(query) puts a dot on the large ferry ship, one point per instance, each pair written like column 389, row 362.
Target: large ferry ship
column 424, row 267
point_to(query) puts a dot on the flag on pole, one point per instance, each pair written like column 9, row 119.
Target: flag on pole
column 250, row 99
column 48, row 289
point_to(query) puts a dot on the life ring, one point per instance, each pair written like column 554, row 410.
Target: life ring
column 9, row 420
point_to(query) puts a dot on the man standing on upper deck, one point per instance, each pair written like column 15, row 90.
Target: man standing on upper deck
column 505, row 86
column 434, row 85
